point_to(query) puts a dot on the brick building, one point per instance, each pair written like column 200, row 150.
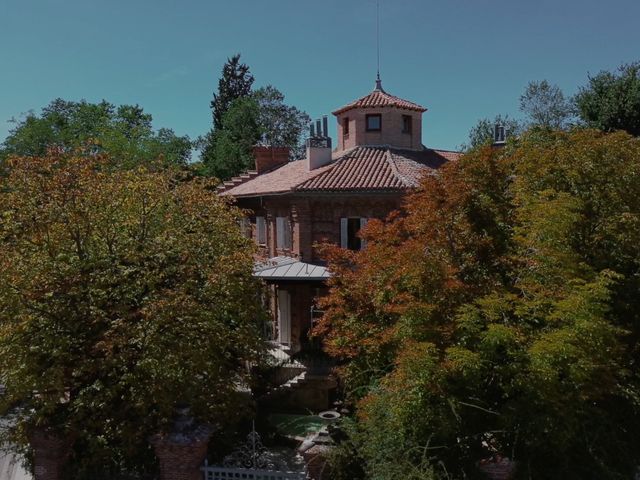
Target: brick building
column 328, row 197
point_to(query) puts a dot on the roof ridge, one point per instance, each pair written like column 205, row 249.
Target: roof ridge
column 396, row 171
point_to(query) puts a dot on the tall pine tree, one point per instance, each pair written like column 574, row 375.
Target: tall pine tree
column 236, row 82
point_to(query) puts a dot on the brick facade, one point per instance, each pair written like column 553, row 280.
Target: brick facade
column 391, row 132
column 316, row 219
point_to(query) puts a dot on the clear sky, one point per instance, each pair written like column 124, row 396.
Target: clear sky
column 463, row 59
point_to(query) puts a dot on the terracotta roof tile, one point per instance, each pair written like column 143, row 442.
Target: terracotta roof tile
column 359, row 169
column 380, row 98
column 281, row 180
column 377, row 168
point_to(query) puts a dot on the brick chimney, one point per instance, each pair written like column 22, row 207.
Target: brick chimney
column 182, row 451
column 268, row 158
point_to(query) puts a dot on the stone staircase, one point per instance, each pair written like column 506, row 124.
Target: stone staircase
column 288, row 386
column 235, row 181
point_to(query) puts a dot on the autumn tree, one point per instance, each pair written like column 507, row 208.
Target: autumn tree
column 498, row 315
column 122, row 294
column 611, row 100
column 124, row 132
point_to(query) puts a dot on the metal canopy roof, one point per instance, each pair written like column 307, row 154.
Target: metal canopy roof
column 287, row 268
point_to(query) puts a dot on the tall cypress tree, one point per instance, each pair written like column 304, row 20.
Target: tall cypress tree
column 236, row 82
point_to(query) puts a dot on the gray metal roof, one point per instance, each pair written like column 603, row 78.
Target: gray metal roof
column 287, row 268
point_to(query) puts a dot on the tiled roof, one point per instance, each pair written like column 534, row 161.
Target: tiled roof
column 360, row 169
column 376, row 168
column 280, row 180
column 380, row 98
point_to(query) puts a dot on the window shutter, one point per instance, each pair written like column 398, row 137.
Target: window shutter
column 344, row 232
column 287, row 233
column 261, row 230
column 280, row 232
column 363, row 223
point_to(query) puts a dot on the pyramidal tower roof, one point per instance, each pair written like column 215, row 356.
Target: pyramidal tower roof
column 379, row 98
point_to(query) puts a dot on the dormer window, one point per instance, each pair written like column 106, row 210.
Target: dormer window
column 374, row 122
column 345, row 126
column 406, row 123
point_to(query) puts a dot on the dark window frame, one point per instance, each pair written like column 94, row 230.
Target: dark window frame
column 407, row 123
column 345, row 126
column 354, row 242
column 373, row 115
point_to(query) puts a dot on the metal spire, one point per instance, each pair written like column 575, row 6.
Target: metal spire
column 378, row 81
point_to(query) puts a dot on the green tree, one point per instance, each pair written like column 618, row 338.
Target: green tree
column 124, row 132
column 234, row 143
column 122, row 294
column 280, row 124
column 235, row 82
column 482, row 133
column 545, row 106
column 261, row 117
column 611, row 101
column 499, row 315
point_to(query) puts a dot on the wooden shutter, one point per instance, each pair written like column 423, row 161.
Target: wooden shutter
column 280, row 232
column 287, row 234
column 344, row 232
column 261, row 230
column 363, row 223
column 284, row 317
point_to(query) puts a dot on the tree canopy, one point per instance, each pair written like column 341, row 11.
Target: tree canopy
column 122, row 294
column 498, row 315
column 235, row 82
column 545, row 106
column 482, row 133
column 124, row 132
column 261, row 117
column 611, row 101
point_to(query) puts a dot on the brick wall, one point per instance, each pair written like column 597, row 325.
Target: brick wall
column 316, row 220
column 390, row 134
column 180, row 461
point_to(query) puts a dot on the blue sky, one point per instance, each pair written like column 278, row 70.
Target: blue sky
column 463, row 59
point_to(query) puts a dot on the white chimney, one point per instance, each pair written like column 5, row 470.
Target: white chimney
column 318, row 145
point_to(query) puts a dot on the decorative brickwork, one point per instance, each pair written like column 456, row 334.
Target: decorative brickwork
column 50, row 453
column 181, row 452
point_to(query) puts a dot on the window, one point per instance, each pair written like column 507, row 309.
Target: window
column 283, row 233
column 374, row 122
column 349, row 229
column 345, row 126
column 261, row 230
column 406, row 123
